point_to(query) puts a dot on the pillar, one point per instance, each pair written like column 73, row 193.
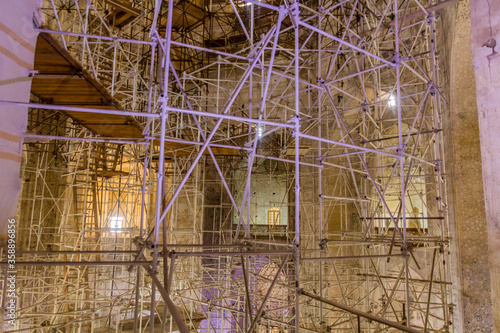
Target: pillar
column 485, row 23
column 470, row 273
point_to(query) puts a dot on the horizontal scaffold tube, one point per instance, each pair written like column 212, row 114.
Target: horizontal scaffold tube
column 366, row 315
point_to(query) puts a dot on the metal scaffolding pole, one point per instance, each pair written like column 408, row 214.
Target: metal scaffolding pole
column 314, row 125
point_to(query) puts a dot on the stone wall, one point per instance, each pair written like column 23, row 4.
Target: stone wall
column 465, row 188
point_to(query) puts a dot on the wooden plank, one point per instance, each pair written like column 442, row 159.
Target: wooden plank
column 125, row 6
column 63, row 81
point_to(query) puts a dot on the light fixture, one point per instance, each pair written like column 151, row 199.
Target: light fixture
column 243, row 4
column 392, row 101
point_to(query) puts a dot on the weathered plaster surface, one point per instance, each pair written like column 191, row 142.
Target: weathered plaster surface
column 17, row 47
column 485, row 21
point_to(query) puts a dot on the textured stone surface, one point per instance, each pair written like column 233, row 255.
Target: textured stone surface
column 485, row 20
column 466, row 197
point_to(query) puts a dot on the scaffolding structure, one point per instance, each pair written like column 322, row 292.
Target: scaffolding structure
column 289, row 176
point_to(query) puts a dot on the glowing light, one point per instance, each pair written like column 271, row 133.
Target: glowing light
column 116, row 222
column 260, row 131
column 392, row 101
